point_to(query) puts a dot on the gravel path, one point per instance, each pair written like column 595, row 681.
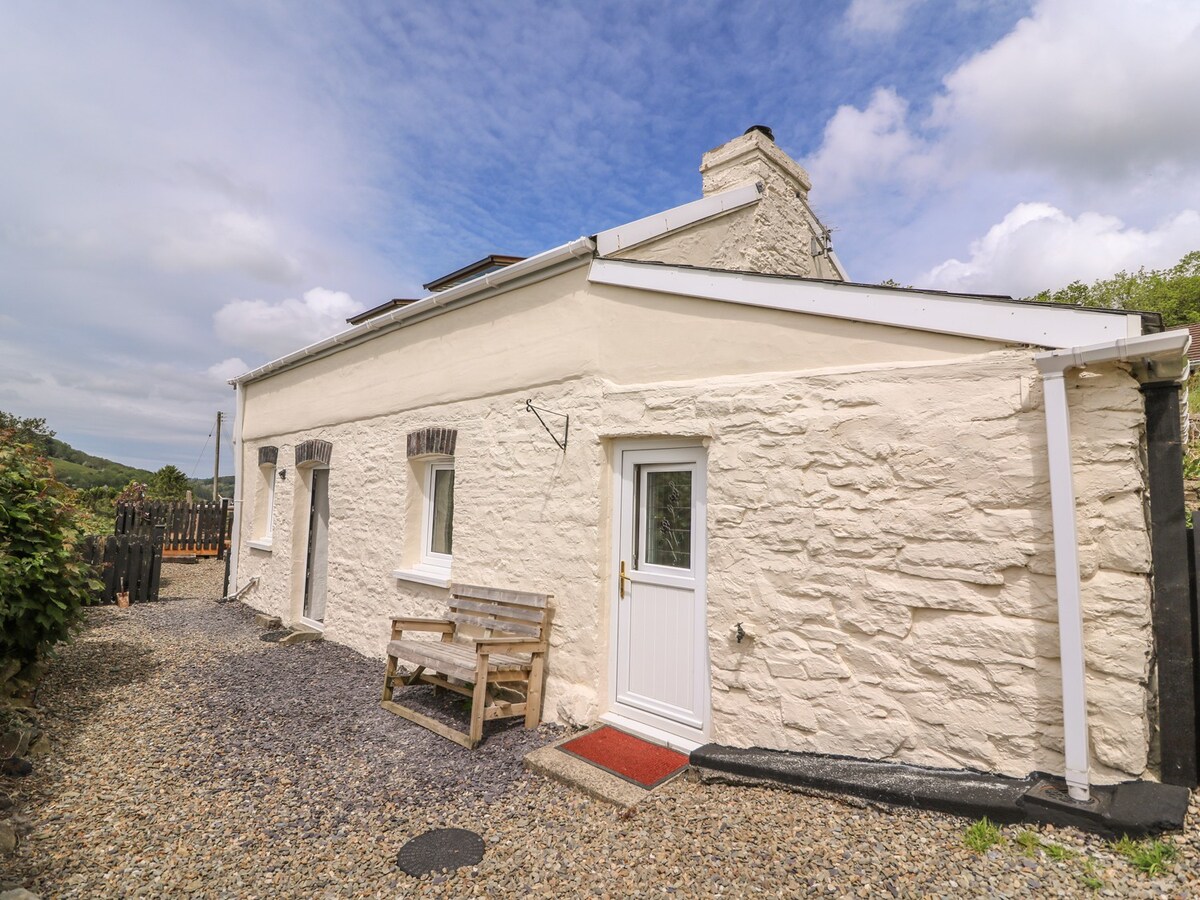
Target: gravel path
column 193, row 759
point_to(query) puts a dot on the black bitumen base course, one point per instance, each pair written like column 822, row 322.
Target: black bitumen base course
column 1135, row 808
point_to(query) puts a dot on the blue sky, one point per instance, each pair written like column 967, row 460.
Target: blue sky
column 188, row 190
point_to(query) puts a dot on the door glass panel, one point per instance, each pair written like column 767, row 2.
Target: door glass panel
column 669, row 519
column 442, row 538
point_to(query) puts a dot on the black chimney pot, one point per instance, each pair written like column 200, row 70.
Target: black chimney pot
column 764, row 129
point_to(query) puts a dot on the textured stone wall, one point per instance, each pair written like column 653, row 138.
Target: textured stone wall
column 882, row 532
column 885, row 538
column 526, row 515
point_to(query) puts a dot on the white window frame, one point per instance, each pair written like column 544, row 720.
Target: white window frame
column 429, row 558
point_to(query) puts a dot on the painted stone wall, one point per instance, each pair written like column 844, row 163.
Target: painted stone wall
column 526, row 516
column 882, row 532
column 884, row 536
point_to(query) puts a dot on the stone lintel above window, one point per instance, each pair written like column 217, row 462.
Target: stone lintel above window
column 268, row 456
column 432, row 442
column 313, row 453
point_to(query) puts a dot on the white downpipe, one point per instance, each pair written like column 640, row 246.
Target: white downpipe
column 235, row 543
column 1066, row 569
column 1169, row 347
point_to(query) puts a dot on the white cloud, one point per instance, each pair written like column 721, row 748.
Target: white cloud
column 227, row 369
column 863, row 147
column 231, row 239
column 1037, row 246
column 877, row 16
column 278, row 328
column 1102, row 88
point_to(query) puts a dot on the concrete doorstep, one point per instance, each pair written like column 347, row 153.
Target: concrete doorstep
column 1135, row 808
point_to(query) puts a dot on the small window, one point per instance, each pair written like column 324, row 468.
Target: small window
column 437, row 545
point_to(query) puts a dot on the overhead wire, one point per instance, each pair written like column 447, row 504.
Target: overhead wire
column 200, row 455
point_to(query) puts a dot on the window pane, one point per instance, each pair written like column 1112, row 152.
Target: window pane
column 669, row 519
column 442, row 539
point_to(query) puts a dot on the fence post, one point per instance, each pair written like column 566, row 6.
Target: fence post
column 224, row 524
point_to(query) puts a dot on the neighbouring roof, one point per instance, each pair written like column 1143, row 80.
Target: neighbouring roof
column 491, row 263
column 1194, row 350
column 374, row 311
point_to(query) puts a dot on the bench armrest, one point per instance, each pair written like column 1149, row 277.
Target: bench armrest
column 509, row 645
column 445, row 626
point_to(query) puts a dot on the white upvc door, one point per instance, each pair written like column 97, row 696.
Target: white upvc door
column 660, row 637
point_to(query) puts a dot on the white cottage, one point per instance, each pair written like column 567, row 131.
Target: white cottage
column 776, row 508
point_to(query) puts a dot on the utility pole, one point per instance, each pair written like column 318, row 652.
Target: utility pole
column 217, row 460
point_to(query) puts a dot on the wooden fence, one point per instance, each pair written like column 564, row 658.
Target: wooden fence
column 126, row 563
column 189, row 529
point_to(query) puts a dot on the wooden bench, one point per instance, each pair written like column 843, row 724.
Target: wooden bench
column 510, row 653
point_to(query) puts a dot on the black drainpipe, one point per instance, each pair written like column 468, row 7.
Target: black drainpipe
column 1171, row 606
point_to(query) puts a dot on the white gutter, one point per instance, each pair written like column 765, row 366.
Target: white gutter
column 239, row 393
column 579, row 250
column 1169, row 347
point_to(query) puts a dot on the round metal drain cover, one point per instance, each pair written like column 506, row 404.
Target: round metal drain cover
column 274, row 636
column 442, row 848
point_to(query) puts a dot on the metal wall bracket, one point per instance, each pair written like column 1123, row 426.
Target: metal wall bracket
column 537, row 411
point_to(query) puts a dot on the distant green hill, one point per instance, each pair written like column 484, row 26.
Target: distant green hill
column 82, row 470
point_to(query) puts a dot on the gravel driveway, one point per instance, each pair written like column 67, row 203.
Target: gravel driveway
column 193, row 759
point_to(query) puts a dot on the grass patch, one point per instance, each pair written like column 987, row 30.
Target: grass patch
column 1029, row 841
column 1090, row 879
column 1151, row 857
column 1057, row 853
column 981, row 835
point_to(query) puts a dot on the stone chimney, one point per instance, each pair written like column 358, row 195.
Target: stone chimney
column 753, row 157
column 776, row 235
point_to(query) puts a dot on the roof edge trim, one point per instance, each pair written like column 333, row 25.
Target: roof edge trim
column 624, row 237
column 962, row 315
column 580, row 249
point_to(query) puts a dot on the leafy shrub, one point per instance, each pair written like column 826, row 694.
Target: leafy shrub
column 43, row 581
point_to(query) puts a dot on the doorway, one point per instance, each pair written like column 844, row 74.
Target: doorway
column 659, row 650
column 317, row 559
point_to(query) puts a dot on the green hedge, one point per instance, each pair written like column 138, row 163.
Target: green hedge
column 44, row 582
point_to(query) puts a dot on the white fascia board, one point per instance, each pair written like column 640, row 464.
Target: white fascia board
column 535, row 268
column 976, row 317
column 625, row 236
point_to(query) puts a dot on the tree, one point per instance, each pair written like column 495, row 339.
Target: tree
column 28, row 431
column 44, row 582
column 168, row 483
column 134, row 492
column 1174, row 293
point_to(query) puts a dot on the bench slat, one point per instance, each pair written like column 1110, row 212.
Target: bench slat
column 521, row 598
column 453, row 659
column 497, row 625
column 499, row 611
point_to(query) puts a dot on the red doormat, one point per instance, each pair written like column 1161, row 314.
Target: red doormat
column 640, row 762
